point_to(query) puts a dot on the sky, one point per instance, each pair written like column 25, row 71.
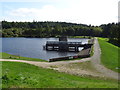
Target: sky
column 94, row 12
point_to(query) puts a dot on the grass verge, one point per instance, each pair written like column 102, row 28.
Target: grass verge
column 109, row 54
column 22, row 75
column 9, row 56
column 92, row 51
column 14, row 57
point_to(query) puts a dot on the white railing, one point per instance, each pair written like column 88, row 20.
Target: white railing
column 58, row 42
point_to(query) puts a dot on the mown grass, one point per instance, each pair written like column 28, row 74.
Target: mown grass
column 9, row 56
column 0, row 75
column 92, row 51
column 14, row 57
column 109, row 54
column 22, row 75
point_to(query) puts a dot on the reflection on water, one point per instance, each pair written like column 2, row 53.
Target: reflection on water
column 33, row 47
column 62, row 53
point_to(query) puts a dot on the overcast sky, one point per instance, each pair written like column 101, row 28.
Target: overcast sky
column 94, row 12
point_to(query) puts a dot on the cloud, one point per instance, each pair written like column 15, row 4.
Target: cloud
column 29, row 0
column 46, row 13
column 23, row 12
column 77, row 11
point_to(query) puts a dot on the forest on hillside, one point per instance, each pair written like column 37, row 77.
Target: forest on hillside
column 55, row 29
column 47, row 29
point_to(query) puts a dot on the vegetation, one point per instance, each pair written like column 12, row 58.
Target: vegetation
column 21, row 75
column 111, row 31
column 0, row 74
column 47, row 29
column 56, row 29
column 109, row 55
column 9, row 56
column 92, row 51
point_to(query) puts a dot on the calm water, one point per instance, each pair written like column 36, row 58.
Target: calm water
column 33, row 47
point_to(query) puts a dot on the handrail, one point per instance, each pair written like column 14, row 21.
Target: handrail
column 58, row 42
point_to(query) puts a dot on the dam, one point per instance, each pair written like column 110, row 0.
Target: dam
column 64, row 45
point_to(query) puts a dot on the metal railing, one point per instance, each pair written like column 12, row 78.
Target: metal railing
column 59, row 42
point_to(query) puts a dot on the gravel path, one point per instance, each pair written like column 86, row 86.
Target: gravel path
column 97, row 63
column 64, row 66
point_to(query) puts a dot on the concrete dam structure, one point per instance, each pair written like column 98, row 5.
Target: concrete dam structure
column 64, row 45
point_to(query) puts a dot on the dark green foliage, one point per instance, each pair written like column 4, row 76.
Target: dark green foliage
column 111, row 31
column 47, row 29
column 55, row 29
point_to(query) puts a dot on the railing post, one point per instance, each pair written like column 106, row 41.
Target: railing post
column 46, row 47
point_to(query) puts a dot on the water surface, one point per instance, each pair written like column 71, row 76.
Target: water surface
column 33, row 47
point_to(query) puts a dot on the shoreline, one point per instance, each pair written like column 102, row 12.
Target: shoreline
column 63, row 66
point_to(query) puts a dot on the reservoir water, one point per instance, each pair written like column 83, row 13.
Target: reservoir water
column 33, row 47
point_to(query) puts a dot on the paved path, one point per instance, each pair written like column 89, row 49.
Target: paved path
column 61, row 66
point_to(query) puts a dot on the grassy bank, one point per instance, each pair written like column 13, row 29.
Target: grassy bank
column 21, row 75
column 109, row 54
column 9, row 56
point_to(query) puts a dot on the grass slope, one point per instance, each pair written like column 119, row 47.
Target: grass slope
column 9, row 56
column 109, row 54
column 21, row 75
column 0, row 74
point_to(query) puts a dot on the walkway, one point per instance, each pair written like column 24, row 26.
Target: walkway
column 64, row 66
column 97, row 63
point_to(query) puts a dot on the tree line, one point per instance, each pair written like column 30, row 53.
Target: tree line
column 111, row 31
column 47, row 29
column 55, row 29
